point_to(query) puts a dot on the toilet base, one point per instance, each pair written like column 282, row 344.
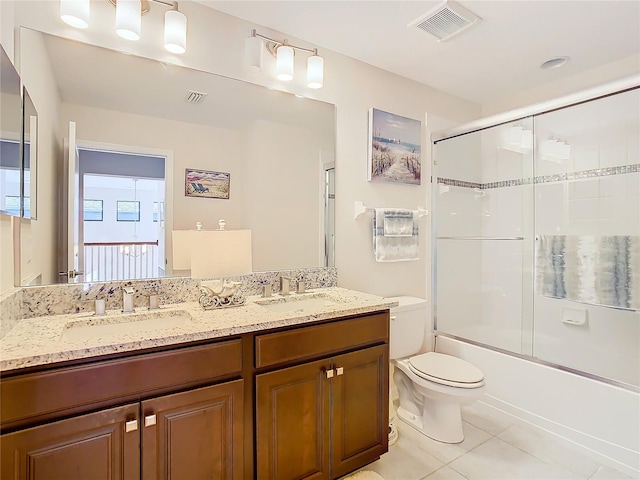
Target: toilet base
column 439, row 421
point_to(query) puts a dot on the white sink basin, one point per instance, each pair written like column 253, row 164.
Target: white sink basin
column 298, row 304
column 147, row 323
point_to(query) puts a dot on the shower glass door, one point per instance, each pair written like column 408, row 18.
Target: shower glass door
column 483, row 203
column 587, row 285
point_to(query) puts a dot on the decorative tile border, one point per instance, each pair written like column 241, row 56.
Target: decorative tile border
column 458, row 183
column 561, row 177
column 40, row 301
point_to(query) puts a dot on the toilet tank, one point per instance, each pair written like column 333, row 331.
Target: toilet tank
column 407, row 326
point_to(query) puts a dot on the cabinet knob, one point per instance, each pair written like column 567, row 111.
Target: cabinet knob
column 339, row 371
column 329, row 373
column 149, row 420
column 131, row 426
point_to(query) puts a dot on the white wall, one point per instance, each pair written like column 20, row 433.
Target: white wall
column 278, row 240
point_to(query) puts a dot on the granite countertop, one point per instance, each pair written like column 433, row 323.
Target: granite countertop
column 58, row 338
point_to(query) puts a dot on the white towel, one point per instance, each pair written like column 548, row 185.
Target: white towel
column 397, row 223
column 398, row 245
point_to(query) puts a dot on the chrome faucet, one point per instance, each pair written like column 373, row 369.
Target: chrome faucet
column 127, row 299
column 285, row 284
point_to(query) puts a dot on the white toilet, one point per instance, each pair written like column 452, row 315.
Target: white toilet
column 431, row 386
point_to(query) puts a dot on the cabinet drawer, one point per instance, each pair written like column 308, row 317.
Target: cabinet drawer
column 45, row 395
column 326, row 339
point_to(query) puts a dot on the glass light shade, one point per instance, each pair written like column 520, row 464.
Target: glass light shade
column 128, row 19
column 284, row 63
column 175, row 31
column 315, row 71
column 253, row 52
column 75, row 13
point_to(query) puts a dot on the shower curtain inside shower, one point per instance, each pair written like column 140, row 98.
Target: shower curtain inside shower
column 537, row 228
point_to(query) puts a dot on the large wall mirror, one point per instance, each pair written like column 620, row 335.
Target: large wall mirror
column 159, row 147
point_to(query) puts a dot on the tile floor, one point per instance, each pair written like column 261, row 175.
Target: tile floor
column 496, row 447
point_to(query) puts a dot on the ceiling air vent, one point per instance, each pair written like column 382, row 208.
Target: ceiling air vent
column 446, row 20
column 195, row 97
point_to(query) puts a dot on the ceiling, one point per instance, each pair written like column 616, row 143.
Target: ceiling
column 499, row 56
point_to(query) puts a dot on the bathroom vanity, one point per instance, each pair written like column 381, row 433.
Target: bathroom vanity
column 260, row 391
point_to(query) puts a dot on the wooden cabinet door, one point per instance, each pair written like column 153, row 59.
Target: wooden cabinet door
column 94, row 446
column 293, row 423
column 195, row 434
column 360, row 415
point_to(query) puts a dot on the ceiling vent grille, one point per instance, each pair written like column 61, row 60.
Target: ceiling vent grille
column 446, row 20
column 195, row 97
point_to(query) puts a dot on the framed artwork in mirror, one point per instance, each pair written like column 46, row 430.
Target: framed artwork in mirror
column 206, row 184
column 394, row 148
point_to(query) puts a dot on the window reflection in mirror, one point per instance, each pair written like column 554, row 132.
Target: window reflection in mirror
column 10, row 114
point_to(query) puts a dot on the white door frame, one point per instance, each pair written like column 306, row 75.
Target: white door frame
column 168, row 185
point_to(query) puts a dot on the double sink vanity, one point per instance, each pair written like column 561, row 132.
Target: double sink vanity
column 282, row 387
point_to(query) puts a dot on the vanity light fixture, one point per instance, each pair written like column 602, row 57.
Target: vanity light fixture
column 75, row 13
column 285, row 54
column 129, row 20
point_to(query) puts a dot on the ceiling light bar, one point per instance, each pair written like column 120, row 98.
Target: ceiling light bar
column 129, row 20
column 284, row 53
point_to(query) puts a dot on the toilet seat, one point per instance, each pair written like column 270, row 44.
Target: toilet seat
column 446, row 370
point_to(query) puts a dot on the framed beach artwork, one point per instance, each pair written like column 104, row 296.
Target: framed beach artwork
column 205, row 184
column 394, row 148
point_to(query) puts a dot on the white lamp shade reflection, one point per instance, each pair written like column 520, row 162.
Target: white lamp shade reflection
column 175, row 31
column 212, row 254
column 254, row 53
column 75, row 13
column 315, row 71
column 128, row 19
column 220, row 253
column 284, row 63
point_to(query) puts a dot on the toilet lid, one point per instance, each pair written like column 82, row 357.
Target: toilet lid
column 447, row 370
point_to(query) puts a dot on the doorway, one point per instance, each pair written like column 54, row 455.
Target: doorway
column 122, row 217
